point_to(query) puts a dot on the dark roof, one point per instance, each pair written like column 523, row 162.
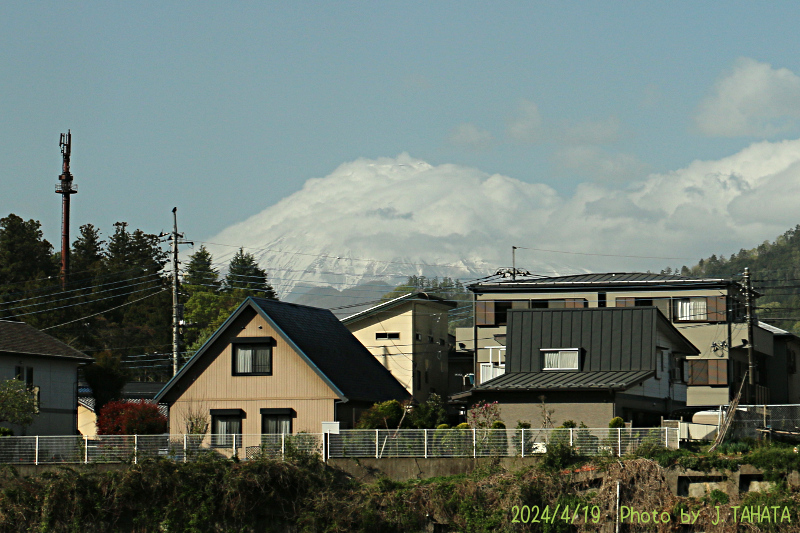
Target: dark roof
column 131, row 390
column 385, row 306
column 611, row 338
column 20, row 338
column 549, row 381
column 627, row 279
column 326, row 345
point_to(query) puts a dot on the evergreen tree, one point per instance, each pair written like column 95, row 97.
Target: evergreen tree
column 86, row 257
column 24, row 254
column 245, row 274
column 200, row 274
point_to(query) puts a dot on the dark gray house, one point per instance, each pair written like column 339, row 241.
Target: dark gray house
column 591, row 365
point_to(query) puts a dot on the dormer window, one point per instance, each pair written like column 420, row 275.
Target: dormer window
column 560, row 359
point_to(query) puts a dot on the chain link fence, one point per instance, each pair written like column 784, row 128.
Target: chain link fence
column 378, row 443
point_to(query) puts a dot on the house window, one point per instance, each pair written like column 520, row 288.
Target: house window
column 381, row 335
column 501, row 313
column 691, row 309
column 560, row 359
column 277, row 421
column 418, row 336
column 441, row 342
column 430, row 339
column 25, row 374
column 226, row 428
column 252, row 359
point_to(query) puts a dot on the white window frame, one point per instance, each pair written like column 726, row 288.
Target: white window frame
column 576, row 352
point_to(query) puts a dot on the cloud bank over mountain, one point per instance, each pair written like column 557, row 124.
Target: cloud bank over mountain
column 386, row 218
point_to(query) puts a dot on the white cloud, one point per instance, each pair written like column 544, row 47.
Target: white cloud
column 470, row 136
column 754, row 99
column 404, row 210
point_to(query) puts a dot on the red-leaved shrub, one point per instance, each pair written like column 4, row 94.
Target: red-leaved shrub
column 126, row 418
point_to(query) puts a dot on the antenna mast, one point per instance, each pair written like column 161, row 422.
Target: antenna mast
column 65, row 188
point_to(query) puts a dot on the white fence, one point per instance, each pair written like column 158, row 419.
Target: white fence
column 377, row 443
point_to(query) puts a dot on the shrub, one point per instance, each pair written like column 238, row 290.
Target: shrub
column 443, row 426
column 6, row 432
column 463, row 425
column 384, row 415
column 498, row 424
column 127, row 418
column 616, row 422
column 482, row 415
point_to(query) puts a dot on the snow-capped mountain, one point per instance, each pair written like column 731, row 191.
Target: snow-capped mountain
column 384, row 220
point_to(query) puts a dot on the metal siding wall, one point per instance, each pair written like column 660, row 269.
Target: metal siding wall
column 514, row 350
column 626, row 338
column 611, row 342
column 534, row 361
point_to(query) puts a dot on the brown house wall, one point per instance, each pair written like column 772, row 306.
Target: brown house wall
column 293, row 383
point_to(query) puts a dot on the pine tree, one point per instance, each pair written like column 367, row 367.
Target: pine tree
column 200, row 274
column 245, row 274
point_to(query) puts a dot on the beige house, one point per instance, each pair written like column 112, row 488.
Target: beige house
column 708, row 312
column 276, row 367
column 50, row 369
column 408, row 335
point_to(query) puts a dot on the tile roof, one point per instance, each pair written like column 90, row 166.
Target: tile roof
column 21, row 338
column 606, row 379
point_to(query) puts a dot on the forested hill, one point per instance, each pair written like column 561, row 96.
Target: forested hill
column 775, row 271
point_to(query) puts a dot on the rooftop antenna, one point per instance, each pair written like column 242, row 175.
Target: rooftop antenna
column 65, row 188
column 512, row 272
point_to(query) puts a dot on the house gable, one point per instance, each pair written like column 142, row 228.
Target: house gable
column 211, row 377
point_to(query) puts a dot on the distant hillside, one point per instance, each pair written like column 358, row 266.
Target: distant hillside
column 775, row 271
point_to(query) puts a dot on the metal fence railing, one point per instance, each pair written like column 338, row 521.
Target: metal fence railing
column 377, row 443
column 749, row 419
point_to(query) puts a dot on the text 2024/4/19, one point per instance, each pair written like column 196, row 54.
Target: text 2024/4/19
column 738, row 514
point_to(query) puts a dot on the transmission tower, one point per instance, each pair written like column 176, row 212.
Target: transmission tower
column 65, row 188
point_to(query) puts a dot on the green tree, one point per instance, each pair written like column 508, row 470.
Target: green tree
column 106, row 376
column 24, row 253
column 200, row 273
column 86, row 257
column 245, row 274
column 429, row 414
column 383, row 415
column 17, row 403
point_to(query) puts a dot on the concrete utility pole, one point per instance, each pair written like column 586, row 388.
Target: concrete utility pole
column 177, row 309
column 65, row 188
column 750, row 341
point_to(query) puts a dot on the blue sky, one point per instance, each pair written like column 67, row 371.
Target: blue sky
column 223, row 109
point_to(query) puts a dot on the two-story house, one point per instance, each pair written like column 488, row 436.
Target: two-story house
column 588, row 365
column 708, row 312
column 50, row 369
column 276, row 367
column 408, row 335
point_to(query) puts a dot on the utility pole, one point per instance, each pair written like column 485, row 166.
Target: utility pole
column 65, row 188
column 177, row 310
column 750, row 341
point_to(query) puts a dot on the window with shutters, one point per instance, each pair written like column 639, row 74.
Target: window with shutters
column 561, row 359
column 492, row 313
column 708, row 371
column 252, row 357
